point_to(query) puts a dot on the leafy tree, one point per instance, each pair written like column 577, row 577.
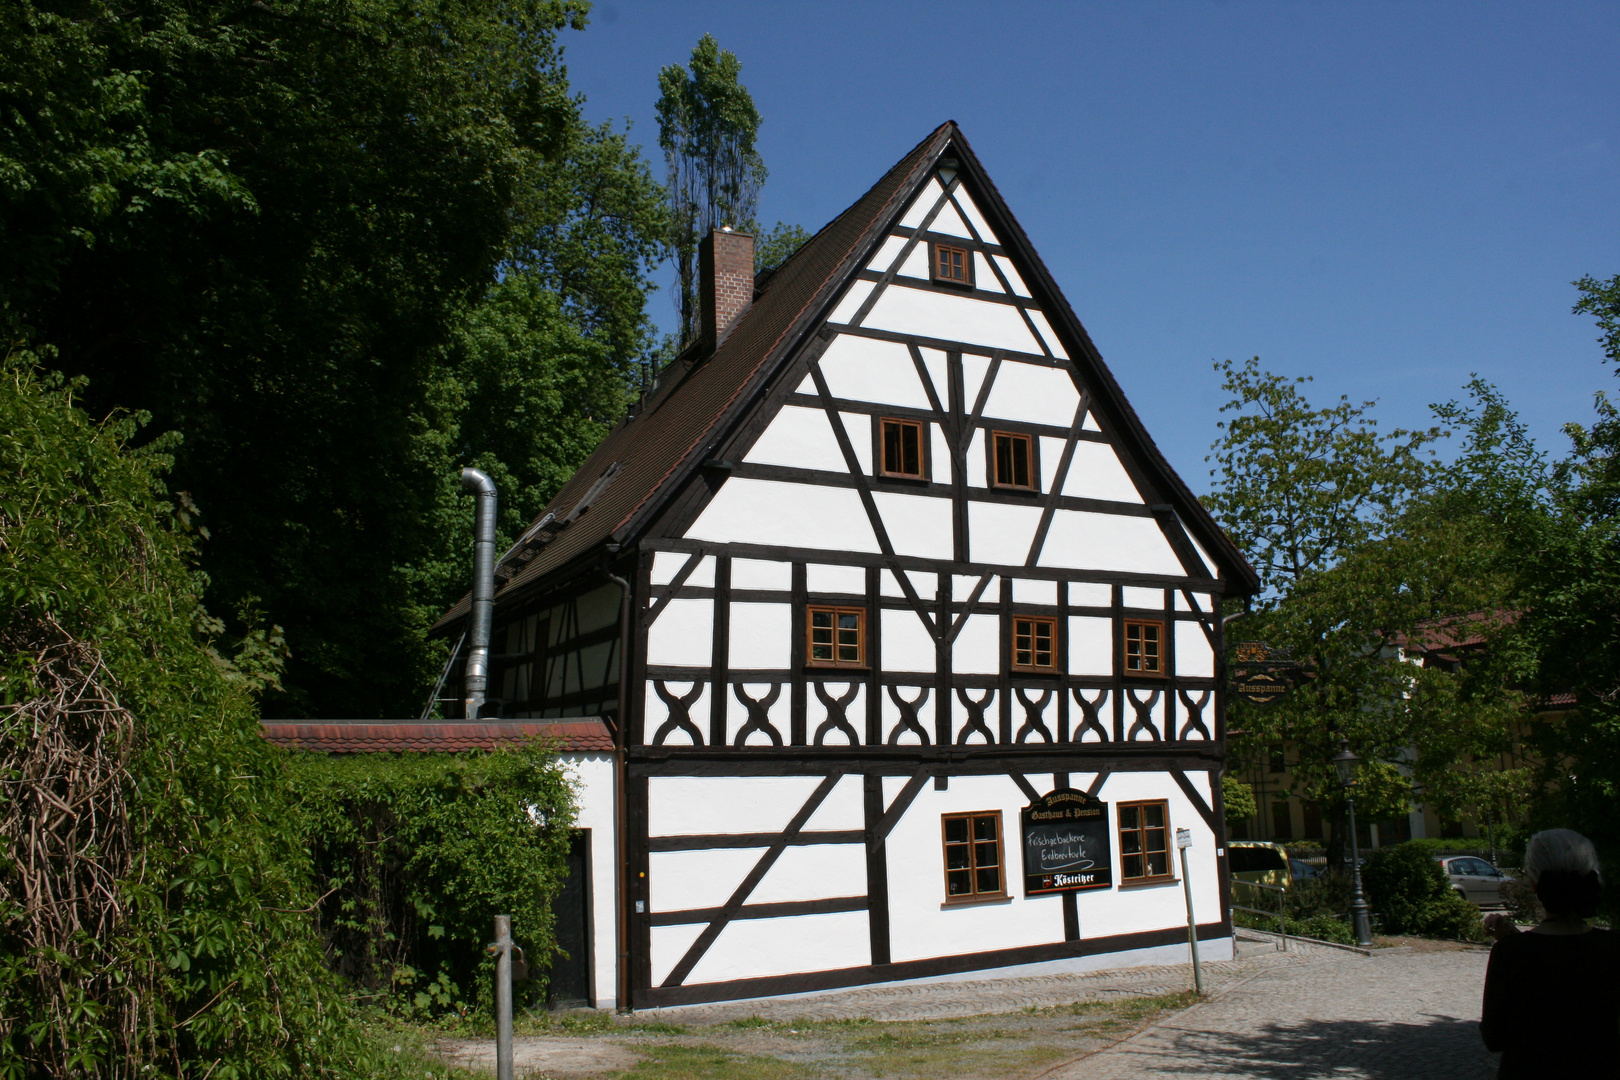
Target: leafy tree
column 1568, row 570
column 154, row 887
column 1238, row 799
column 778, row 245
column 707, row 124
column 1364, row 542
column 307, row 237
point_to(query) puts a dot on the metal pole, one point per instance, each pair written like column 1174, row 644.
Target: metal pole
column 503, row 997
column 1184, row 841
column 1358, row 901
column 1282, row 915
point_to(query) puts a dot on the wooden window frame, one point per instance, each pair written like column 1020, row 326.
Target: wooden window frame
column 934, row 252
column 882, row 456
column 1034, row 668
column 1034, row 464
column 810, row 611
column 973, row 866
column 1125, row 656
column 1141, row 830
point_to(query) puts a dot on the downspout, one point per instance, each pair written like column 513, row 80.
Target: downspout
column 621, row 832
column 475, row 677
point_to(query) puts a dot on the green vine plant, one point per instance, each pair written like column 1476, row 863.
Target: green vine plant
column 414, row 853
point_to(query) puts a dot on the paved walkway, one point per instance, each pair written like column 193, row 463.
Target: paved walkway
column 1403, row 1016
column 976, row 997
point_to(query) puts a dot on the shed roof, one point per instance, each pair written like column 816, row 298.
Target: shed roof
column 404, row 736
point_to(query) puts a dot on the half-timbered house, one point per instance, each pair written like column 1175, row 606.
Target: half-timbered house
column 921, row 665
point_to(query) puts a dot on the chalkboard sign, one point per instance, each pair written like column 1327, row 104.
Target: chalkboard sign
column 1066, row 844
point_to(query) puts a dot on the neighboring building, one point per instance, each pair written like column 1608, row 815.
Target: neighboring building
column 1282, row 815
column 911, row 594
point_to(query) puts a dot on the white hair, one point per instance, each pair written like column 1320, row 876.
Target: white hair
column 1559, row 850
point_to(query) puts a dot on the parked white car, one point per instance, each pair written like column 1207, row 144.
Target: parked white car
column 1475, row 880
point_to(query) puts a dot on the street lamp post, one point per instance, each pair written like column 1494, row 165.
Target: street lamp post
column 1346, row 763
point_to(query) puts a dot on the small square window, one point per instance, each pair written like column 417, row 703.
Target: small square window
column 953, row 265
column 973, row 869
column 1144, row 647
column 1144, row 841
column 1034, row 644
column 835, row 637
column 903, row 448
column 1014, row 460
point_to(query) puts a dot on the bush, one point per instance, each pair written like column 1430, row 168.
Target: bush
column 1519, row 897
column 1412, row 895
column 1324, row 928
column 1321, row 927
column 154, row 889
column 413, row 854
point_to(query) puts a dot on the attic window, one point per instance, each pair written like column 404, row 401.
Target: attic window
column 1012, row 462
column 953, row 265
column 903, row 448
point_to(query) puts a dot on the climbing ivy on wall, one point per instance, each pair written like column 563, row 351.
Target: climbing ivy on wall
column 414, row 854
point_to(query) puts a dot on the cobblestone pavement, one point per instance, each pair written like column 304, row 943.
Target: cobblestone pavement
column 941, row 1000
column 1405, row 1016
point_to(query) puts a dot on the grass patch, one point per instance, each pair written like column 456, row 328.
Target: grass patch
column 710, row 1062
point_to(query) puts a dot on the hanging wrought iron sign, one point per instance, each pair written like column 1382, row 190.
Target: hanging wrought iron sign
column 1260, row 674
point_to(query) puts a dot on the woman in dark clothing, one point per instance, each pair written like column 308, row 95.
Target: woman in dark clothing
column 1552, row 996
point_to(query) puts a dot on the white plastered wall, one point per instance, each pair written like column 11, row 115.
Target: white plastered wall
column 593, row 775
column 922, row 925
column 1132, row 908
column 752, row 948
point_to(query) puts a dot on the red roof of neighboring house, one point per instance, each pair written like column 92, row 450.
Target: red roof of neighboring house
column 396, row 736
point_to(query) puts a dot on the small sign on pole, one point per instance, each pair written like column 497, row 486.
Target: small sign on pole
column 1183, row 842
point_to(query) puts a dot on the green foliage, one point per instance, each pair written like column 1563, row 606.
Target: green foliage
column 415, row 853
column 1519, row 897
column 776, row 246
column 707, row 125
column 1411, row 893
column 1239, row 799
column 154, row 912
column 309, row 237
column 1298, row 486
column 1324, row 928
column 1368, row 549
column 1568, row 573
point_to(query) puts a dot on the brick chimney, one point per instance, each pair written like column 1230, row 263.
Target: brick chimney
column 725, row 283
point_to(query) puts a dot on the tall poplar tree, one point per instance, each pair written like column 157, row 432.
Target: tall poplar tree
column 707, row 126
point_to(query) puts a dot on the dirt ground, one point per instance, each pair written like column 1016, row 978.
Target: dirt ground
column 1016, row 1046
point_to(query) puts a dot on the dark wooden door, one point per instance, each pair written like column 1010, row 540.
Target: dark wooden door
column 570, row 986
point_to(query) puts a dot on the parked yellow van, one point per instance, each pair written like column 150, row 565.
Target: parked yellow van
column 1257, row 861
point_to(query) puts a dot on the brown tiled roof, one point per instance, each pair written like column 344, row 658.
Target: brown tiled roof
column 344, row 737
column 700, row 397
column 675, row 427
column 1456, row 632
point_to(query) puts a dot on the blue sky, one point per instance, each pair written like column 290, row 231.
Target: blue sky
column 1386, row 197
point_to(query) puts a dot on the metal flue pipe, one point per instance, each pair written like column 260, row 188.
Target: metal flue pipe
column 475, row 677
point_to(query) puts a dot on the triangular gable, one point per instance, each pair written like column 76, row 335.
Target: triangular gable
column 703, row 400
